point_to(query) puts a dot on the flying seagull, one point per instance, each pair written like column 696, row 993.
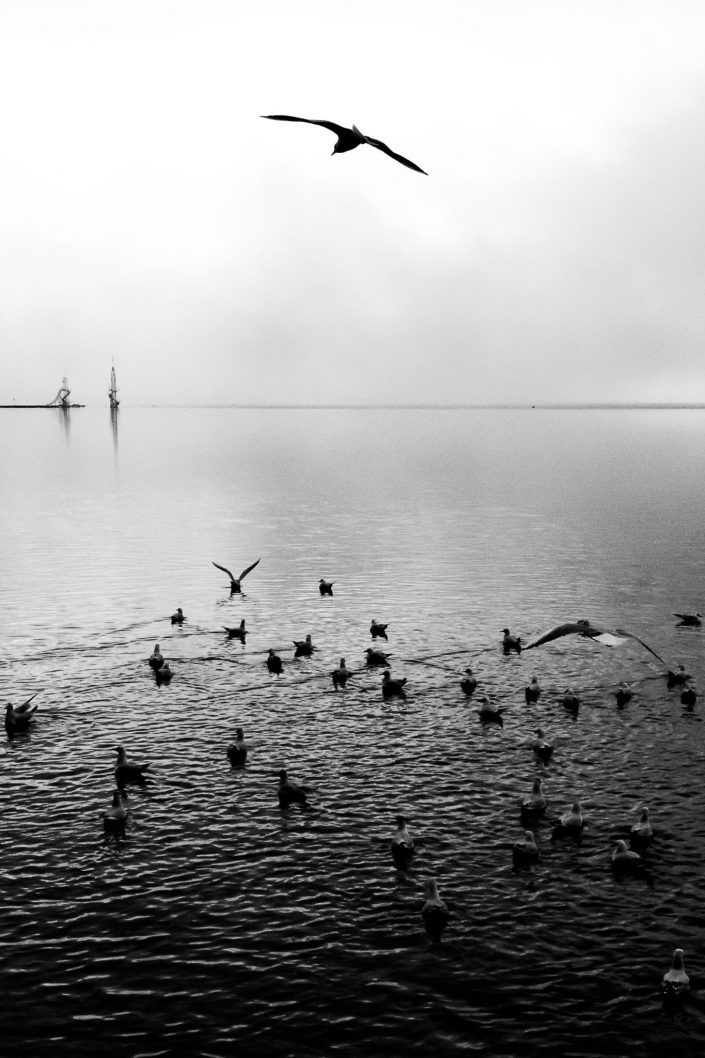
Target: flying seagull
column 348, row 139
column 235, row 581
column 589, row 631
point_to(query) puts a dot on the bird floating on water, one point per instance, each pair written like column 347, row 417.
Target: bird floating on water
column 572, row 821
column 589, row 631
column 235, row 582
column 326, row 586
column 693, row 619
column 676, row 981
column 164, row 674
column 127, row 772
column 19, row 717
column 525, row 852
column 642, row 832
column 274, row 663
column 532, row 693
column 571, row 702
column 535, row 804
column 468, row 684
column 237, row 633
column 178, row 618
column 392, row 688
column 688, row 698
column 402, row 845
column 625, row 860
column 348, row 139
column 623, row 694
column 237, row 753
column 510, row 643
column 542, row 748
column 155, row 659
column 289, row 793
column 679, row 678
column 489, row 713
column 377, row 657
column 304, row 647
column 340, row 675
column 377, row 630
column 434, row 912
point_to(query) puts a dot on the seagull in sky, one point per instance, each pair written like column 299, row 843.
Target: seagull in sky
column 348, row 139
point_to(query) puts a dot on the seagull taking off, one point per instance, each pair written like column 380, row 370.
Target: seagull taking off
column 348, row 139
column 235, row 587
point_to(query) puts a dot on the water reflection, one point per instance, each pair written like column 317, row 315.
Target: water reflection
column 65, row 416
column 114, row 428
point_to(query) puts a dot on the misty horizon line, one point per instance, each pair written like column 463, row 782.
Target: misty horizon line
column 395, row 406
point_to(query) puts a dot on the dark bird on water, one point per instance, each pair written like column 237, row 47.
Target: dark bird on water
column 289, row 793
column 542, row 748
column 434, row 912
column 510, row 643
column 377, row 657
column 525, row 852
column 689, row 698
column 377, row 630
column 571, row 702
column 642, row 832
column 693, row 619
column 19, row 717
column 237, row 633
column 235, row 582
column 534, row 805
column 163, row 675
column 340, row 675
column 532, row 692
column 155, row 660
column 126, row 772
column 348, row 139
column 677, row 679
column 178, row 617
column 274, row 663
column 392, row 688
column 326, row 586
column 490, row 713
column 623, row 694
column 115, row 817
column 304, row 647
column 468, row 684
column 402, row 845
column 237, row 753
column 624, row 860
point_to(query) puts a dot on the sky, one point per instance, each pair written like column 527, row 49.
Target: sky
column 555, row 252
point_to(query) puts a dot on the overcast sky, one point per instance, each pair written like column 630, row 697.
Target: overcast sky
column 555, row 251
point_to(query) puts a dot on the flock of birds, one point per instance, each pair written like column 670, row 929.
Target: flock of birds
column 625, row 858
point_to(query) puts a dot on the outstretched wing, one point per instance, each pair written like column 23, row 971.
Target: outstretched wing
column 337, row 129
column 223, row 569
column 583, row 628
column 397, row 157
column 23, row 707
column 621, row 632
column 249, row 568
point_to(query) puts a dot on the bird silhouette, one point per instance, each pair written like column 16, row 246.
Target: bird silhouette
column 325, row 586
column 377, row 630
column 178, row 618
column 694, row 619
column 392, row 688
column 237, row 633
column 340, row 675
column 434, row 912
column 126, row 772
column 235, row 582
column 402, row 845
column 304, row 647
column 289, row 793
column 274, row 663
column 237, row 753
column 348, row 139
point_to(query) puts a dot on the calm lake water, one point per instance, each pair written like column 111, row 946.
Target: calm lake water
column 219, row 922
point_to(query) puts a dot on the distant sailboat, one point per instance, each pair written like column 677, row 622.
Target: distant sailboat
column 112, row 392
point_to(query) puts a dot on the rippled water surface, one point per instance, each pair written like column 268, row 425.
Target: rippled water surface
column 219, row 922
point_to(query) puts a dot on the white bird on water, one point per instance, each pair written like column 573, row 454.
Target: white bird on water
column 348, row 139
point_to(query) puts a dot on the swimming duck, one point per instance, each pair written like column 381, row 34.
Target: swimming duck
column 542, row 748
column 572, row 820
column 237, row 753
column 622, row 694
column 535, row 805
column 434, row 912
column 468, row 684
column 510, row 643
column 164, row 674
column 340, row 675
column 115, row 817
column 274, row 663
column 689, row 698
column 625, row 860
column 532, row 692
column 235, row 582
column 377, row 657
column 304, row 647
column 237, row 633
column 126, row 772
column 694, row 619
column 326, row 586
column 155, row 659
column 489, row 713
column 642, row 832
column 289, row 793
column 402, row 845
column 678, row 678
column 571, row 702
column 178, row 617
column 676, row 981
column 377, row 630
column 392, row 688
column 19, row 717
column 525, row 852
